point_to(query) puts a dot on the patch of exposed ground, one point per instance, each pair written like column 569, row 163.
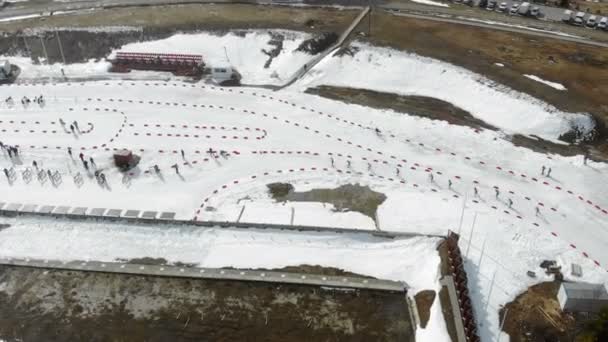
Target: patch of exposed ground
column 350, row 197
column 535, row 316
column 53, row 305
column 423, row 106
column 318, row 44
column 316, row 269
column 424, row 300
column 276, row 40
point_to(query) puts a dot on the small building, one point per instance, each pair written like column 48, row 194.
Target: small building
column 178, row 64
column 582, row 297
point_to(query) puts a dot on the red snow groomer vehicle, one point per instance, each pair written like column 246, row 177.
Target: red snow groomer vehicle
column 178, row 64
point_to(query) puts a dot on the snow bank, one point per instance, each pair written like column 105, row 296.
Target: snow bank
column 432, row 3
column 553, row 85
column 243, row 51
column 403, row 73
column 413, row 260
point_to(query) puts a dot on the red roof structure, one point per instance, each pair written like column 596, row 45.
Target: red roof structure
column 179, row 64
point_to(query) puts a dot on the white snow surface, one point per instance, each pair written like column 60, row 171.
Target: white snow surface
column 500, row 106
column 432, row 3
column 406, row 259
column 287, row 136
column 553, row 85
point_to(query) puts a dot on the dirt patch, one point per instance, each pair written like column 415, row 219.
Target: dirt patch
column 350, row 197
column 318, row 44
column 146, row 261
column 535, row 316
column 423, row 106
column 276, row 40
column 316, row 269
column 424, row 300
column 39, row 305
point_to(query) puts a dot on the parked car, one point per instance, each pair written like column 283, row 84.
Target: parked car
column 467, row 2
column 535, row 12
column 592, row 21
column 578, row 20
column 567, row 16
column 514, row 9
column 524, row 8
column 491, row 5
column 603, row 24
column 502, row 7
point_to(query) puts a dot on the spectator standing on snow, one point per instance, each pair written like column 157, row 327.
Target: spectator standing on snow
column 585, row 157
column 72, row 128
column 35, row 165
column 369, row 166
column 537, row 210
column 92, row 161
column 332, row 161
column 542, row 170
column 183, row 154
column 70, row 151
column 431, row 177
column 476, row 192
column 449, row 183
column 549, row 172
column 176, row 167
column 510, row 203
column 398, row 171
column 348, row 163
column 497, row 192
column 81, row 156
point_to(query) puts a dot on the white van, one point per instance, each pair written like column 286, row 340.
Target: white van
column 603, row 24
column 592, row 21
column 567, row 16
column 578, row 20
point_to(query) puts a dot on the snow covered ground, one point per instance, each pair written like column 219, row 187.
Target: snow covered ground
column 553, row 85
column 432, row 3
column 415, row 75
column 290, row 136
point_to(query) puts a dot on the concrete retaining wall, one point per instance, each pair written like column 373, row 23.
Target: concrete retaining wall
column 213, row 273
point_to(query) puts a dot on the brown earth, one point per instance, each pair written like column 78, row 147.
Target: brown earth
column 423, row 106
column 424, row 300
column 353, row 197
column 53, row 305
column 535, row 316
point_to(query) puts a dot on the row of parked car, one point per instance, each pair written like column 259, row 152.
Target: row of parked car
column 524, row 8
column 578, row 19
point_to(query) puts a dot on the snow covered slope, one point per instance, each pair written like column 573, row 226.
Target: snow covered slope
column 403, row 73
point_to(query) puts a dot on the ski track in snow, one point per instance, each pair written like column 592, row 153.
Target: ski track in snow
column 311, row 142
